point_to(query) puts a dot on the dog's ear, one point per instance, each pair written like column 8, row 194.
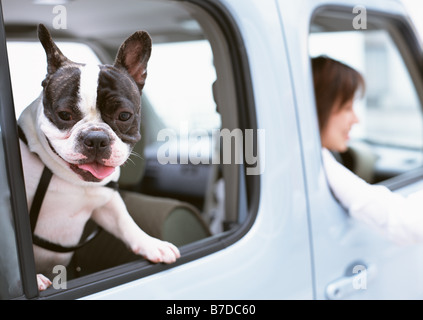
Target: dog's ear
column 133, row 56
column 55, row 58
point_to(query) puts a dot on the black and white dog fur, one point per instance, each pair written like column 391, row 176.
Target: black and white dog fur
column 83, row 128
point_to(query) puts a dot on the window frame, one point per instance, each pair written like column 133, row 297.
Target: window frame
column 410, row 50
column 122, row 274
column 15, row 173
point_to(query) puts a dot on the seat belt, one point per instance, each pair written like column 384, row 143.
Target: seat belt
column 36, row 207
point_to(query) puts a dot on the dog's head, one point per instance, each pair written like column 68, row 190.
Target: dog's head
column 91, row 113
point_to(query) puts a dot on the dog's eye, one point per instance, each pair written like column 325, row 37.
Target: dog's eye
column 125, row 116
column 65, row 116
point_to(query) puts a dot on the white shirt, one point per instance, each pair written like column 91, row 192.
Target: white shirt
column 399, row 218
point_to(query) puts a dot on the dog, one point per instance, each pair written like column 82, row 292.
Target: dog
column 83, row 127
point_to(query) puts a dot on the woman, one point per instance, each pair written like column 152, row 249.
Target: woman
column 400, row 218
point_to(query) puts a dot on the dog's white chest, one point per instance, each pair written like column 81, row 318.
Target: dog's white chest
column 66, row 207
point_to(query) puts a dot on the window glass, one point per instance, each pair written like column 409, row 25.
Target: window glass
column 10, row 283
column 390, row 126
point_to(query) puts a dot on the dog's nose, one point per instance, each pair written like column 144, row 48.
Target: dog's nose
column 97, row 140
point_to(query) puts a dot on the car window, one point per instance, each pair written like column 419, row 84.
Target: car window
column 388, row 139
column 186, row 181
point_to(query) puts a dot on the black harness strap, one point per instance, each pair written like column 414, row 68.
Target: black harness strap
column 45, row 244
column 36, row 207
column 39, row 197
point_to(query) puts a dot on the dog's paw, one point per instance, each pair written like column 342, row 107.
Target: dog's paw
column 43, row 282
column 157, row 251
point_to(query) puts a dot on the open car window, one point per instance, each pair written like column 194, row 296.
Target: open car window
column 388, row 140
column 185, row 181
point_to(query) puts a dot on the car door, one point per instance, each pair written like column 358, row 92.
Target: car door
column 351, row 260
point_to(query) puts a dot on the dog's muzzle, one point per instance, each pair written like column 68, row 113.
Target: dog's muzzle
column 95, row 145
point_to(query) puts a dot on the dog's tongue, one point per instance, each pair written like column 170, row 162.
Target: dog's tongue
column 97, row 170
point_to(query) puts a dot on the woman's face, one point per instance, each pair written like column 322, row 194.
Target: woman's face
column 335, row 135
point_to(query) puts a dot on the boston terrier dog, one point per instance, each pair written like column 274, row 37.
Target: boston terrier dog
column 83, row 127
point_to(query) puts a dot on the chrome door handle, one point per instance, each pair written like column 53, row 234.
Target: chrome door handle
column 356, row 278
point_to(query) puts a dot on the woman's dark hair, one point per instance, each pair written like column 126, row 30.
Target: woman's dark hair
column 334, row 83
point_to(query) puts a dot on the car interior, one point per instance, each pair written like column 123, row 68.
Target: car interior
column 179, row 202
